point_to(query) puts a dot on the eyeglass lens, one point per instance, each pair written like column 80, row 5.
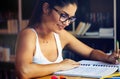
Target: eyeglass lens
column 65, row 17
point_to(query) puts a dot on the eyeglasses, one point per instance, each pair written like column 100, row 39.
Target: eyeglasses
column 64, row 16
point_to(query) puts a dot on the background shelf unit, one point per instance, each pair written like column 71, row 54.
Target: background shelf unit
column 85, row 8
column 91, row 11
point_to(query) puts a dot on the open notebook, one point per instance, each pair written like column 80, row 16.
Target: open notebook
column 89, row 68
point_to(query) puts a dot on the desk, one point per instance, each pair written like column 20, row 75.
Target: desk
column 67, row 77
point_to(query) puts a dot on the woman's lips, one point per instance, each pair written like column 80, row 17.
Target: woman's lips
column 61, row 26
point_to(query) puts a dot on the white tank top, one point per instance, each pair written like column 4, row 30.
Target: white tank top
column 39, row 58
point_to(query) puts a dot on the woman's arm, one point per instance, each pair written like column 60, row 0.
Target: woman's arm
column 85, row 50
column 73, row 43
column 25, row 68
column 100, row 55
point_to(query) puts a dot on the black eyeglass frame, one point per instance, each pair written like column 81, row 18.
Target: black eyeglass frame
column 64, row 16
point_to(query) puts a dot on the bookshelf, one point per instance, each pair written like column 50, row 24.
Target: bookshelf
column 11, row 21
column 85, row 8
column 8, row 11
column 118, row 19
column 101, row 14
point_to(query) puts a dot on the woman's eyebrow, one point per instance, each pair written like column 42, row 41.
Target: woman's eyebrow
column 67, row 13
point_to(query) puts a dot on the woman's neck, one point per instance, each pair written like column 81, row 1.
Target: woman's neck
column 43, row 32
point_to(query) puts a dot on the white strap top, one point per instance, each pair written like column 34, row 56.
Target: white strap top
column 39, row 58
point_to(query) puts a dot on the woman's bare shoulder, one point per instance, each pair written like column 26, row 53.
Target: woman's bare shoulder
column 28, row 32
column 26, row 36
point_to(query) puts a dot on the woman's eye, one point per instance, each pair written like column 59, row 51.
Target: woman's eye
column 64, row 15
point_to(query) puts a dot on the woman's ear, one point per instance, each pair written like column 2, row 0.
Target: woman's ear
column 45, row 8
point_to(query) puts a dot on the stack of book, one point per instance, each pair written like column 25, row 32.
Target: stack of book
column 106, row 32
column 82, row 28
column 13, row 26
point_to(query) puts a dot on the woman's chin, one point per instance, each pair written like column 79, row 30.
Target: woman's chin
column 58, row 31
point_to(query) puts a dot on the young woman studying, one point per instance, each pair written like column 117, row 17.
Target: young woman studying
column 39, row 46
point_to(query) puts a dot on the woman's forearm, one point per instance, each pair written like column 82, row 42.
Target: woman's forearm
column 98, row 55
column 36, row 70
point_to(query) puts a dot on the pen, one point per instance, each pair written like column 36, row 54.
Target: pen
column 117, row 47
column 113, row 76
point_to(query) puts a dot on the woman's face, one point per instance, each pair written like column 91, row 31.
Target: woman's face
column 59, row 17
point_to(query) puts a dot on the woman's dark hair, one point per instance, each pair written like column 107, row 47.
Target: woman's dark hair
column 37, row 12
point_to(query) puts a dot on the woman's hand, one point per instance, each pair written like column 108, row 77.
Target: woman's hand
column 68, row 64
column 114, row 57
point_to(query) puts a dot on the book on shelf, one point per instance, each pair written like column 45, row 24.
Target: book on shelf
column 87, row 26
column 90, row 68
column 12, row 26
column 92, row 33
column 103, row 32
column 80, row 28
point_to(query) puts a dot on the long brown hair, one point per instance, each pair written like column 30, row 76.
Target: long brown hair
column 37, row 12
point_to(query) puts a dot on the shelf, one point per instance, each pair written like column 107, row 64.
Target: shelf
column 95, row 37
column 8, row 34
column 92, row 36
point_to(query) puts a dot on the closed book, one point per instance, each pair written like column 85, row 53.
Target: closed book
column 87, row 26
column 80, row 28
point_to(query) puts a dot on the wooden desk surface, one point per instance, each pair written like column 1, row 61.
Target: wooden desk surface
column 67, row 77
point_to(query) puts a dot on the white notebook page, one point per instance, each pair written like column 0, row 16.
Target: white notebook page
column 89, row 68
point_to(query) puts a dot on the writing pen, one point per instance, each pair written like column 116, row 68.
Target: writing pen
column 113, row 76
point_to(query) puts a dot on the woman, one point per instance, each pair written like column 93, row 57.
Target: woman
column 39, row 46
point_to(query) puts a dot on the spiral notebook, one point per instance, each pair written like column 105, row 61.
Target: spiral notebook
column 89, row 68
